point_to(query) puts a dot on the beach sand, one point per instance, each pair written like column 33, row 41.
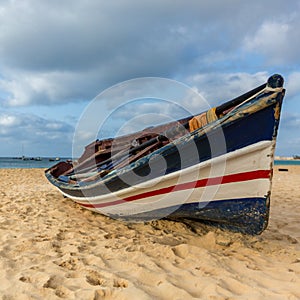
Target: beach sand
column 51, row 249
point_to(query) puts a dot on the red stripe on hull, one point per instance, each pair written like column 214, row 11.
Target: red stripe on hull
column 259, row 174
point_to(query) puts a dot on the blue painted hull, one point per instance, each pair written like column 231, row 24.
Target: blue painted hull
column 248, row 216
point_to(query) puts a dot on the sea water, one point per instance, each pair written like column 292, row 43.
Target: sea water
column 47, row 162
column 287, row 162
column 28, row 163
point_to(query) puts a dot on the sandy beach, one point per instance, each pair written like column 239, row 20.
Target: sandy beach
column 51, row 249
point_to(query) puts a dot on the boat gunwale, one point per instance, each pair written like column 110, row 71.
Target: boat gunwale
column 214, row 160
column 264, row 99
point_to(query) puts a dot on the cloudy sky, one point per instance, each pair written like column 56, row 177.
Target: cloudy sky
column 57, row 56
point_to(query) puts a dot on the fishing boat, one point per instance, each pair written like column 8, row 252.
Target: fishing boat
column 214, row 167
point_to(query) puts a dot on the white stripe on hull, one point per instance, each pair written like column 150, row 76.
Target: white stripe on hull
column 247, row 189
column 258, row 156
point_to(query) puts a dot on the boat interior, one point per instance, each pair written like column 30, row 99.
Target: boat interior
column 103, row 156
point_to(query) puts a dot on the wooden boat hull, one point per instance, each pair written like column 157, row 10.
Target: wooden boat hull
column 227, row 182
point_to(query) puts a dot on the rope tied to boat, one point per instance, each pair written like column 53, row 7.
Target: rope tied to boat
column 267, row 89
column 210, row 116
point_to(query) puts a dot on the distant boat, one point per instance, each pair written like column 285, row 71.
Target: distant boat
column 54, row 159
column 184, row 169
column 31, row 158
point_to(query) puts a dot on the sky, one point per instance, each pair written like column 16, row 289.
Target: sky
column 57, row 57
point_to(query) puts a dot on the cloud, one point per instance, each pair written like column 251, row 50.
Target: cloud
column 290, row 121
column 27, row 88
column 7, row 121
column 139, row 114
column 270, row 39
column 61, row 54
column 131, row 106
column 278, row 40
column 292, row 84
column 219, row 87
column 38, row 134
column 287, row 146
column 57, row 52
column 288, row 135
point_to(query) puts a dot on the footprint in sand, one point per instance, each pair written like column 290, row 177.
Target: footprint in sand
column 94, row 278
column 103, row 294
column 120, row 283
column 54, row 282
column 25, row 279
